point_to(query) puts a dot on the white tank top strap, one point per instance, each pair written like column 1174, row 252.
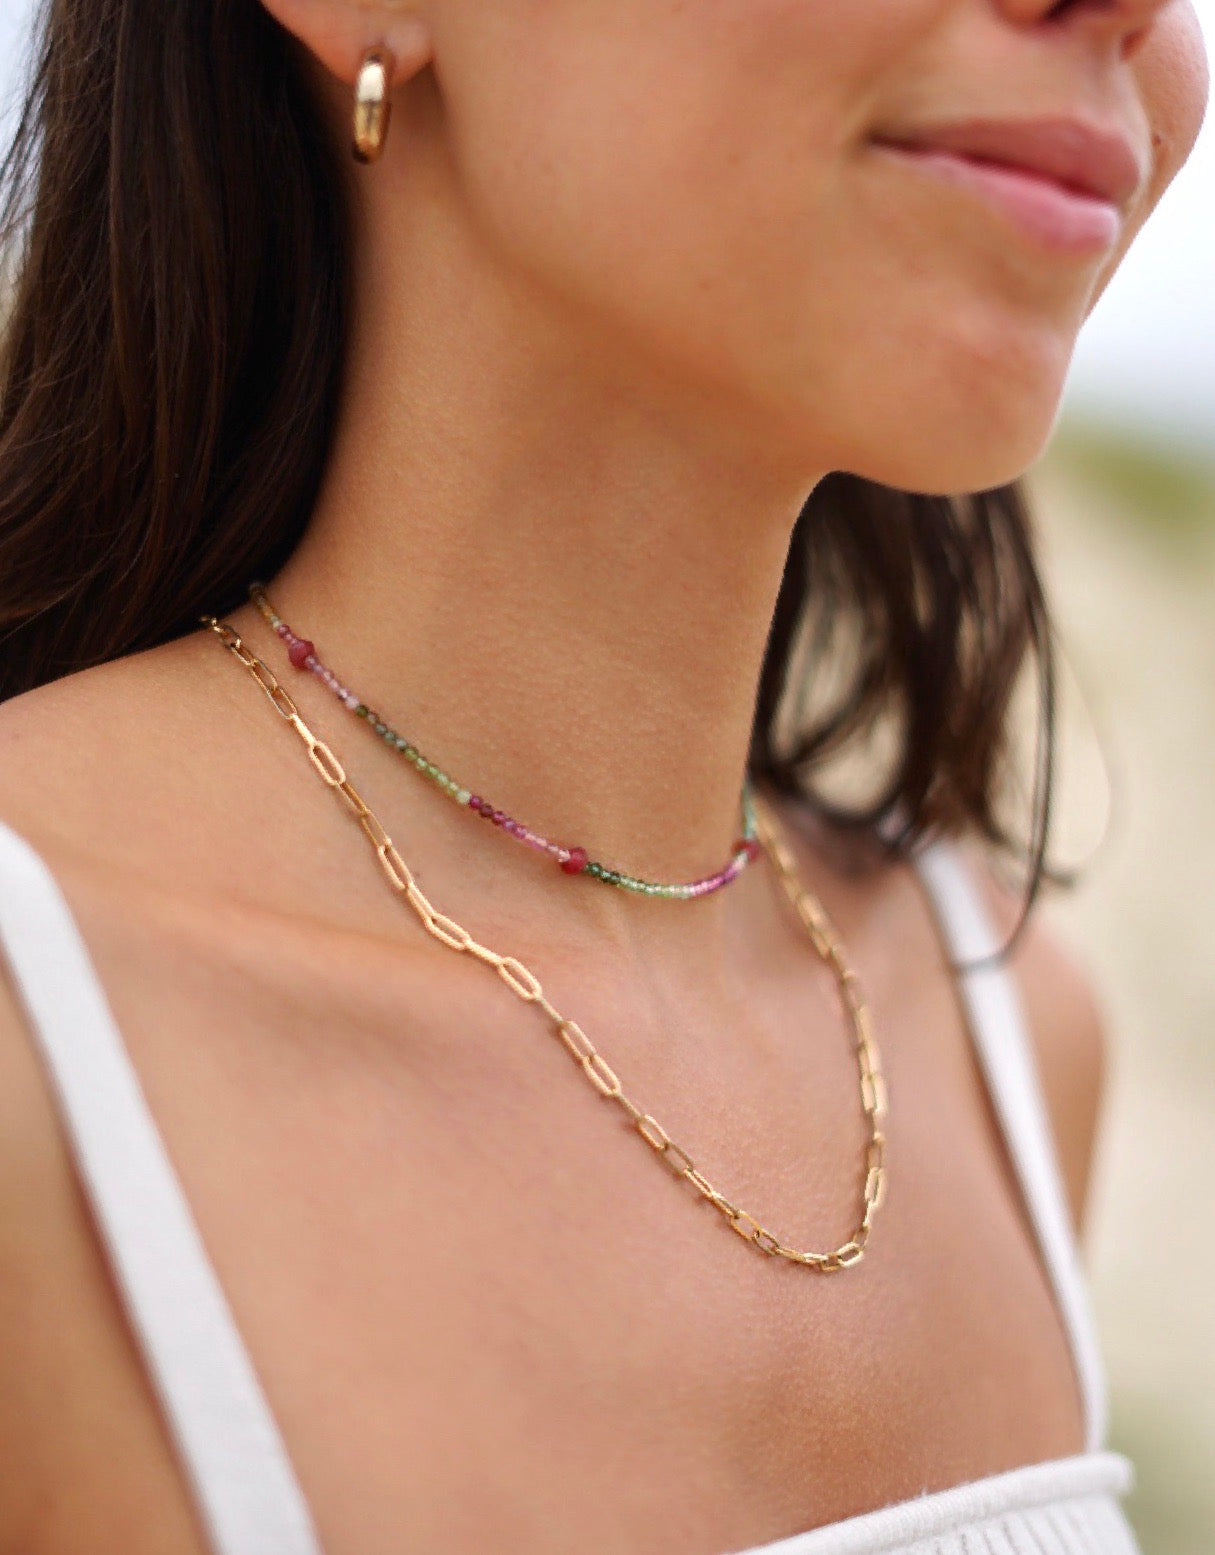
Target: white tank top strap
column 1001, row 1038
column 229, row 1444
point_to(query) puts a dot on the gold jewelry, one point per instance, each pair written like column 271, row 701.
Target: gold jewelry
column 526, row 986
column 372, row 104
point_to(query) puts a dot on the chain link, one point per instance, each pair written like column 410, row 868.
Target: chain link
column 526, row 986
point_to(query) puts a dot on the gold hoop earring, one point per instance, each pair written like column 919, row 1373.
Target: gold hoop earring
column 372, row 106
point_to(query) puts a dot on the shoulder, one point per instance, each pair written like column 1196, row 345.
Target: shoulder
column 37, row 738
column 101, row 766
column 73, row 787
column 1067, row 1017
column 40, row 1240
column 73, row 743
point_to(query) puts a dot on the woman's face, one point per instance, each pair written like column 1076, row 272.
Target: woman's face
column 702, row 182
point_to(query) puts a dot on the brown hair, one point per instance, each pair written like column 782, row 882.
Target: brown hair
column 170, row 368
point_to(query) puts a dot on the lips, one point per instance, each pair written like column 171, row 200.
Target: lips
column 1080, row 157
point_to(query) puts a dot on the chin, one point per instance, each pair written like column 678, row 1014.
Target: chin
column 985, row 462
column 958, row 430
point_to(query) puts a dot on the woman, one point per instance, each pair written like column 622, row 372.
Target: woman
column 570, row 427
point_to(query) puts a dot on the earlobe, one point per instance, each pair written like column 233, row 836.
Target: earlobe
column 341, row 32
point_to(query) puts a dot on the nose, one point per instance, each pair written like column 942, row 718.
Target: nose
column 1124, row 21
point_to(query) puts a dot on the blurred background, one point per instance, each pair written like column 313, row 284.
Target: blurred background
column 1125, row 497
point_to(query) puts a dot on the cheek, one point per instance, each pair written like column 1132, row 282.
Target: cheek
column 1173, row 80
column 671, row 166
column 944, row 356
column 691, row 180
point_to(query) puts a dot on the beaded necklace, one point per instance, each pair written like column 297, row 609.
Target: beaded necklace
column 525, row 985
column 572, row 860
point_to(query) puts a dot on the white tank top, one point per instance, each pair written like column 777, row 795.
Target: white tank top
column 218, row 1417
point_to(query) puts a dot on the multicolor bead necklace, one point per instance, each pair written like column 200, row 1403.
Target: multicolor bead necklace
column 526, row 986
column 573, row 861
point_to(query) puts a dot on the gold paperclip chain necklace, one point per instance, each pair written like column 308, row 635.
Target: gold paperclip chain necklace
column 527, row 987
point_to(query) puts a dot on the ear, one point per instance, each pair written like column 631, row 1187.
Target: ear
column 339, row 33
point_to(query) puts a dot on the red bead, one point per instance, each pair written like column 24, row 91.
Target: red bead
column 299, row 650
column 747, row 845
column 576, row 863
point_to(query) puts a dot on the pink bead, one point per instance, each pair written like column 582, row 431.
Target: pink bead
column 576, row 863
column 300, row 650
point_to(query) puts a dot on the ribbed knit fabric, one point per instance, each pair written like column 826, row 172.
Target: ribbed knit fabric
column 227, row 1439
column 1064, row 1506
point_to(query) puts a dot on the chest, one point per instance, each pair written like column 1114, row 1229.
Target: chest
column 484, row 1313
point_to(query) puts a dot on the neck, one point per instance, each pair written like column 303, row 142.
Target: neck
column 553, row 576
